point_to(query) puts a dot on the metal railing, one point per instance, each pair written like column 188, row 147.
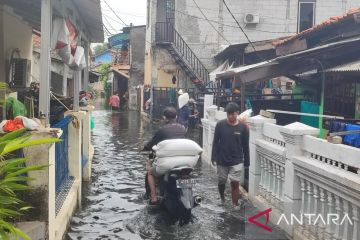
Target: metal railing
column 164, row 97
column 166, row 33
column 61, row 154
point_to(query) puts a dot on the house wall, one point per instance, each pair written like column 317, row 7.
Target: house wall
column 159, row 65
column 278, row 18
column 57, row 73
column 137, row 55
column 103, row 58
column 10, row 39
column 325, row 9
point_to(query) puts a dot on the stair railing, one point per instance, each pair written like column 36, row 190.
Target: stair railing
column 166, row 33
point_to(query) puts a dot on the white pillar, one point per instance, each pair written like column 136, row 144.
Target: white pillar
column 44, row 96
column 64, row 87
column 86, row 70
column 293, row 135
column 256, row 124
column 208, row 101
column 43, row 185
column 74, row 151
column 77, row 80
column 86, row 142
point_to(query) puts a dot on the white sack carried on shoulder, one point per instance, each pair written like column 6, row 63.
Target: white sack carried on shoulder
column 183, row 100
column 165, row 164
column 177, row 147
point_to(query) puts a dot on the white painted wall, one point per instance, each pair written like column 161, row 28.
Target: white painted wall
column 278, row 18
column 88, row 149
column 21, row 38
column 44, row 181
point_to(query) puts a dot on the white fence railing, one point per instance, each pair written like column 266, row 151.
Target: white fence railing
column 300, row 176
column 270, row 153
column 330, row 184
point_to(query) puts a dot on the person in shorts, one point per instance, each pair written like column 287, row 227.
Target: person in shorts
column 230, row 152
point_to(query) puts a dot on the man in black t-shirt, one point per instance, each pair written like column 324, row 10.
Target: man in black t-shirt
column 230, row 151
column 171, row 130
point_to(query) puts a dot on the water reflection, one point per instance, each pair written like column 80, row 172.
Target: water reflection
column 113, row 206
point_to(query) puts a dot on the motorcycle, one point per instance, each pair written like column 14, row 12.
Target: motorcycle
column 175, row 191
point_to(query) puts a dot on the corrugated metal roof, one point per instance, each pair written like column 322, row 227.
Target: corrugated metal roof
column 347, row 67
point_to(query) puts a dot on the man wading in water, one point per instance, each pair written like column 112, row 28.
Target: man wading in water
column 230, row 152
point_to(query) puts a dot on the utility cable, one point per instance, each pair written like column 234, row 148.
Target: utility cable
column 227, row 25
column 113, row 19
column 107, row 30
column 108, row 23
column 115, row 13
column 211, row 23
column 232, row 15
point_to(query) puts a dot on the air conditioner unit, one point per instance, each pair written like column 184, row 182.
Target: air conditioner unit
column 20, row 72
column 251, row 18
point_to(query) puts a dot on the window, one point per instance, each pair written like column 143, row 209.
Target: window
column 170, row 11
column 306, row 17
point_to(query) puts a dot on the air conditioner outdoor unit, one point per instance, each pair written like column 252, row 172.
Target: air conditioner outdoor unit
column 251, row 18
column 20, row 72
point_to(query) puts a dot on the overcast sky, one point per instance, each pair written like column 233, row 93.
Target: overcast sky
column 130, row 11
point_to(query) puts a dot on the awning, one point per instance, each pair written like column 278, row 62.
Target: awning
column 121, row 73
column 242, row 69
column 221, row 69
column 347, row 67
column 327, row 55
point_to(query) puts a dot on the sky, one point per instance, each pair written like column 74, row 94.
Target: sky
column 130, row 11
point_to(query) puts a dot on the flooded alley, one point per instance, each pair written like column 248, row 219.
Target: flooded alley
column 113, row 205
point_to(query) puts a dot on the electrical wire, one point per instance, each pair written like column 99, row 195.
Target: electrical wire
column 232, row 15
column 115, row 13
column 210, row 23
column 127, row 14
column 227, row 25
column 108, row 23
column 107, row 30
column 113, row 19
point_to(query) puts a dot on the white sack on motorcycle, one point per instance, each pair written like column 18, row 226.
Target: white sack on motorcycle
column 165, row 164
column 177, row 147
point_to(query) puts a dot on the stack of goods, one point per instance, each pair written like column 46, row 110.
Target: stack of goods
column 175, row 153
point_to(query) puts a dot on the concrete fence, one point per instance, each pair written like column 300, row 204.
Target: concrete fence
column 55, row 209
column 301, row 177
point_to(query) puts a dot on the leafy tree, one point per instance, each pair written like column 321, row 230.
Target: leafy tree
column 100, row 48
column 103, row 70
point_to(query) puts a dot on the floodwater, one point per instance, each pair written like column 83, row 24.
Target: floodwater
column 113, row 205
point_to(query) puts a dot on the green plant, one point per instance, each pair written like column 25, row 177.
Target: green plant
column 13, row 179
column 104, row 69
column 100, row 48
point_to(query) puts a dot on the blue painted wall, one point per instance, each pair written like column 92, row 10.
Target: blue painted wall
column 104, row 57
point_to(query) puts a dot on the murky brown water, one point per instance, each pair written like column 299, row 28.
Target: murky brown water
column 113, row 207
